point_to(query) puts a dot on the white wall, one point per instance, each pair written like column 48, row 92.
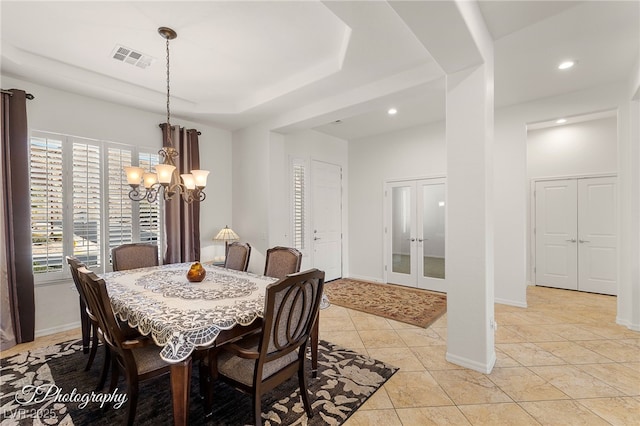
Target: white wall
column 410, row 153
column 587, row 147
column 61, row 112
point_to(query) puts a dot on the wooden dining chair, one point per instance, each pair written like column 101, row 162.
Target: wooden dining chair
column 259, row 362
column 88, row 326
column 138, row 359
column 134, row 255
column 282, row 261
column 237, row 256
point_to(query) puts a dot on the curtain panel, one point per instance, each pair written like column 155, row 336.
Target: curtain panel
column 182, row 220
column 17, row 276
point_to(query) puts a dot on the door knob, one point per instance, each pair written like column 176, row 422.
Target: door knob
column 584, row 241
column 411, row 239
column 420, row 240
column 316, row 238
column 573, row 240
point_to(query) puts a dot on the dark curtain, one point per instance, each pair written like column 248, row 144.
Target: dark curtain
column 18, row 286
column 182, row 220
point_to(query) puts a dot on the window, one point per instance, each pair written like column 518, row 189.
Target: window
column 298, row 204
column 80, row 204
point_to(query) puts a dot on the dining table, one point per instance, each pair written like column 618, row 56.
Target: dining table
column 183, row 317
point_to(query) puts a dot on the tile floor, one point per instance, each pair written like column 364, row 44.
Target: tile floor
column 561, row 361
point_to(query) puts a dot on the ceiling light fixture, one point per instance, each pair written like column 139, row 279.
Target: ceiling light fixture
column 561, row 120
column 565, row 65
column 166, row 180
column 392, row 111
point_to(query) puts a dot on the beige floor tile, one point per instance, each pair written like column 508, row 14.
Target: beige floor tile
column 533, row 333
column 469, row 387
column 335, row 311
column 378, row 401
column 562, row 413
column 399, row 325
column 434, row 358
column 381, row 339
column 618, row 376
column 575, row 382
column 504, row 360
column 415, row 389
column 441, row 331
column 420, row 337
column 346, row 339
column 622, row 411
column 521, row 384
column 370, row 322
column 511, row 318
column 573, row 353
column 337, row 324
column 529, row 354
column 506, row 334
column 403, row 358
column 570, row 332
column 373, row 418
column 504, row 414
column 432, row 416
column 610, row 331
column 613, row 349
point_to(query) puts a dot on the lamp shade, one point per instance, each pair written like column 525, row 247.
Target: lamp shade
column 200, row 177
column 165, row 172
column 149, row 179
column 226, row 234
column 134, row 174
column 188, row 180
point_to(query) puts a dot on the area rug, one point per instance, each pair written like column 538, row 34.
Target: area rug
column 410, row 305
column 345, row 381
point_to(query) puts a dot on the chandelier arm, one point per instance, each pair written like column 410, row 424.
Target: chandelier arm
column 136, row 195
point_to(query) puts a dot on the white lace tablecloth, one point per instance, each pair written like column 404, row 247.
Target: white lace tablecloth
column 182, row 316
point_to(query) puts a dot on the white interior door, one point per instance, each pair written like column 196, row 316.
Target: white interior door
column 597, row 235
column 326, row 238
column 401, row 230
column 431, row 216
column 576, row 234
column 556, row 234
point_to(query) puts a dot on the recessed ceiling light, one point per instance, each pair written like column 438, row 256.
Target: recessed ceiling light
column 561, row 121
column 392, row 111
column 565, row 65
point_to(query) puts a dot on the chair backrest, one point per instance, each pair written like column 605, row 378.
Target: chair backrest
column 74, row 265
column 237, row 257
column 282, row 261
column 100, row 305
column 134, row 255
column 291, row 308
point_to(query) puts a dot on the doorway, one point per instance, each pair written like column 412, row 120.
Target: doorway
column 415, row 233
column 576, row 234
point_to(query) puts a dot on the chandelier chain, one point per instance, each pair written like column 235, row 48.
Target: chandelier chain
column 168, row 94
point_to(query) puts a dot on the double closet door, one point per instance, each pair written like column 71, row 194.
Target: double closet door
column 576, row 234
column 415, row 233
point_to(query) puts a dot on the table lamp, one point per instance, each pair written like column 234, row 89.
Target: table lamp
column 226, row 234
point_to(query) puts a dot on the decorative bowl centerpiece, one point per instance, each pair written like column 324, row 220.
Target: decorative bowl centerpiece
column 196, row 273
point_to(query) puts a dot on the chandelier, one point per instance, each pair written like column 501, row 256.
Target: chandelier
column 166, row 179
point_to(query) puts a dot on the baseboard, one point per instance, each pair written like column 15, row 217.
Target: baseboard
column 58, row 329
column 363, row 278
column 625, row 323
column 510, row 302
column 472, row 365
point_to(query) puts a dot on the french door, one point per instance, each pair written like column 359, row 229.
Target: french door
column 576, row 234
column 415, row 233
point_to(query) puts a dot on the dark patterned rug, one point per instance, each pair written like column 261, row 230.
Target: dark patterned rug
column 396, row 302
column 50, row 384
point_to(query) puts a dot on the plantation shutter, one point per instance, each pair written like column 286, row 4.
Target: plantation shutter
column 150, row 223
column 298, row 207
column 87, row 200
column 47, row 203
column 120, row 207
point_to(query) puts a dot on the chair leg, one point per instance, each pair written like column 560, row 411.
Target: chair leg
column 132, row 396
column 115, row 374
column 302, row 381
column 257, row 409
column 94, row 347
column 85, row 325
column 105, row 368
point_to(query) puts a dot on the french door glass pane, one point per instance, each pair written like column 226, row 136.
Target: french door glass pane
column 401, row 229
column 433, row 211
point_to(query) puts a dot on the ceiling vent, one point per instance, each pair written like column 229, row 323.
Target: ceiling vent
column 130, row 56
